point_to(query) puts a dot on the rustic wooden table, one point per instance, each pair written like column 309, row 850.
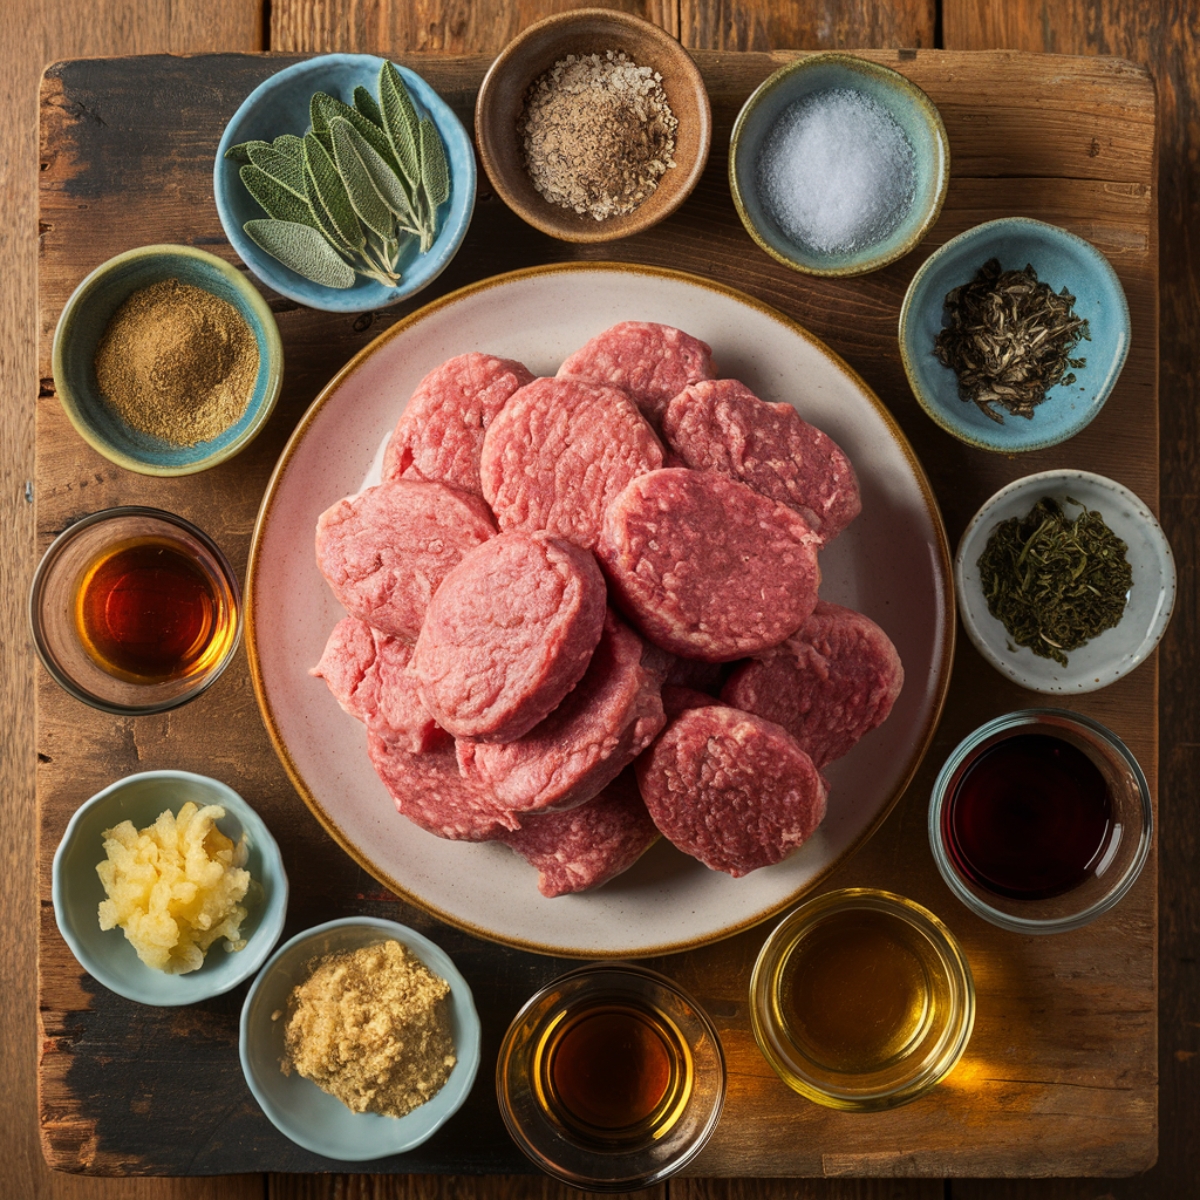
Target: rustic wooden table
column 1164, row 38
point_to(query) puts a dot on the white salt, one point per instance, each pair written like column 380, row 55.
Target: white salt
column 836, row 172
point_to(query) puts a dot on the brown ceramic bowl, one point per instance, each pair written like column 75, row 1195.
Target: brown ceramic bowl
column 536, row 50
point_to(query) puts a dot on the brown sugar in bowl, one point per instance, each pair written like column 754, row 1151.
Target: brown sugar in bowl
column 535, row 51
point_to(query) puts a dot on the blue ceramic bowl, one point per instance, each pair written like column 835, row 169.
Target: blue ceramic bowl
column 906, row 103
column 106, row 954
column 280, row 105
column 82, row 325
column 296, row 1106
column 1060, row 259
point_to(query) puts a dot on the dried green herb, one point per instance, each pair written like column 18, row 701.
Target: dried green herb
column 1009, row 339
column 1055, row 583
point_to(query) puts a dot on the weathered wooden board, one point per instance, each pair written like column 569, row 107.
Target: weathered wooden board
column 1060, row 1078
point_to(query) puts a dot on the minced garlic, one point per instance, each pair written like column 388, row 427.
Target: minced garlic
column 372, row 1027
column 174, row 887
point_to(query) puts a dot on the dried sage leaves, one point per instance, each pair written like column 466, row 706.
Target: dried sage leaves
column 347, row 198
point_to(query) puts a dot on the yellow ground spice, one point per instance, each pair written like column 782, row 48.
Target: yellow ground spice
column 177, row 363
column 372, row 1027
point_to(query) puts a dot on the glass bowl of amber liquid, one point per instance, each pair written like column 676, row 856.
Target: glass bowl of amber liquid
column 135, row 610
column 1041, row 820
column 611, row 1078
column 862, row 1000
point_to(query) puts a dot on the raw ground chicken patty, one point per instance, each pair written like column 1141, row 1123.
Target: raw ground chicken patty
column 367, row 672
column 706, row 567
column 509, row 634
column 439, row 436
column 721, row 425
column 731, row 789
column 589, row 845
column 828, row 685
column 611, row 715
column 386, row 551
column 558, row 454
column 653, row 363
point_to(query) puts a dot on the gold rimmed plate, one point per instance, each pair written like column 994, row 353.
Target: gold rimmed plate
column 892, row 563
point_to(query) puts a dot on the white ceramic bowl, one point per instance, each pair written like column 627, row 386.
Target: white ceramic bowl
column 1112, row 654
column 296, row 1106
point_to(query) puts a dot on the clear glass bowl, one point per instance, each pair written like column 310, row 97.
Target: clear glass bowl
column 861, row 1000
column 611, row 1078
column 54, row 603
column 1121, row 858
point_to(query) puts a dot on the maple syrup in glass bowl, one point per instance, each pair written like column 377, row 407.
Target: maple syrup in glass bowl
column 135, row 610
column 611, row 1078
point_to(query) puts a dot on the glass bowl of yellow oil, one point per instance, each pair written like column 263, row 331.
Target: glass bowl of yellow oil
column 862, row 1000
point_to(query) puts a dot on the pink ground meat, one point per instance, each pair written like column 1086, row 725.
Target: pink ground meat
column 830, row 683
column 439, row 436
column 731, row 789
column 653, row 363
column 385, row 552
column 607, row 719
column 723, row 426
column 508, row 635
column 558, row 454
column 679, row 699
column 706, row 567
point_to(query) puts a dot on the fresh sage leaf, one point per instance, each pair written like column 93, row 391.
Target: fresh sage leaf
column 325, row 225
column 280, row 167
column 368, row 106
column 291, row 145
column 435, row 173
column 331, row 191
column 241, row 152
column 387, row 183
column 400, row 122
column 360, row 187
column 332, row 109
column 274, row 198
column 304, row 250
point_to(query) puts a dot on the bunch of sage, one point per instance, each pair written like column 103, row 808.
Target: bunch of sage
column 348, row 196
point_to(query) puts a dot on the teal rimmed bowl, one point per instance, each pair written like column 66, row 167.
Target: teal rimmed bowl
column 77, row 891
column 906, row 103
column 82, row 325
column 279, row 105
column 313, row 1118
column 1061, row 259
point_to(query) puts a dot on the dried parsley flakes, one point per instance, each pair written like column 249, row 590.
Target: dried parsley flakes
column 1009, row 339
column 1055, row 583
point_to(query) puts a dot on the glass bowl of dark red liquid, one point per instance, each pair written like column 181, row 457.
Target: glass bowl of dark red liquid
column 135, row 610
column 1041, row 820
column 611, row 1078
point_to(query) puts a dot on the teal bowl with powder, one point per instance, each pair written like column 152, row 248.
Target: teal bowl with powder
column 838, row 165
column 81, row 328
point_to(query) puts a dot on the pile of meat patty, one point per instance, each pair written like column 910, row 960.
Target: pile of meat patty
column 583, row 612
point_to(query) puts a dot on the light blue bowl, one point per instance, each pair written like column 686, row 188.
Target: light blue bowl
column 907, row 104
column 82, row 325
column 106, row 955
column 280, row 105
column 296, row 1106
column 1060, row 259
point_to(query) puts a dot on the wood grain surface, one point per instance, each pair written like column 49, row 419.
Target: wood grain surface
column 1164, row 35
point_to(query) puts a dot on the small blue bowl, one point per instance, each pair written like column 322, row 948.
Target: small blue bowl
column 313, row 1118
column 907, row 105
column 280, row 105
column 82, row 325
column 1061, row 259
column 106, row 954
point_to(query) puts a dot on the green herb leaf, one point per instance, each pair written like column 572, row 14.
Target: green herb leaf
column 291, row 145
column 400, row 122
column 332, row 109
column 276, row 200
column 241, row 152
column 360, row 187
column 387, row 183
column 280, row 167
column 303, row 249
column 331, row 192
column 435, row 173
column 368, row 106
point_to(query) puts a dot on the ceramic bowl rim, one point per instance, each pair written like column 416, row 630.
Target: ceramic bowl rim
column 893, row 79
column 271, row 363
column 266, row 935
column 955, row 245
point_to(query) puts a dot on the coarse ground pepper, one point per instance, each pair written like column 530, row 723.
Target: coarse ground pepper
column 371, row 1027
column 597, row 133
column 177, row 363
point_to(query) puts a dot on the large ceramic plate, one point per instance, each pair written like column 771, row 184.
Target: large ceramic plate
column 892, row 563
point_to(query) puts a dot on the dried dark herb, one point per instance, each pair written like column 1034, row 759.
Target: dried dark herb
column 1054, row 582
column 1009, row 339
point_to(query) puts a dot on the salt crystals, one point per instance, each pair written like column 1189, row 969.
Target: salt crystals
column 836, row 172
